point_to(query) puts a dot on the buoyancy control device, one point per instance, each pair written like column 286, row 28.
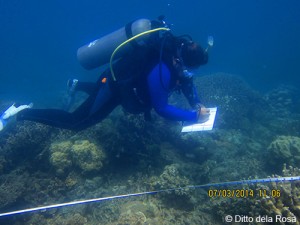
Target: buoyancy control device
column 114, row 45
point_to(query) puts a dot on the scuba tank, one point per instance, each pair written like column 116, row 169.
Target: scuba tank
column 100, row 51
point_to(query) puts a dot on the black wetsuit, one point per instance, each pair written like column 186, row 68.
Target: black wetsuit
column 139, row 88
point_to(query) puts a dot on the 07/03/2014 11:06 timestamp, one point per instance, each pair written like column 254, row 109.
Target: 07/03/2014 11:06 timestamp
column 243, row 193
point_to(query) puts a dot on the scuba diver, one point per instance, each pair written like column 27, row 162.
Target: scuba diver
column 140, row 78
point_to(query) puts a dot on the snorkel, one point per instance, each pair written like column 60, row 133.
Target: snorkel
column 210, row 43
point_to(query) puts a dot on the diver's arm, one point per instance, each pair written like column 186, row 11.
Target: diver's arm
column 158, row 85
column 190, row 92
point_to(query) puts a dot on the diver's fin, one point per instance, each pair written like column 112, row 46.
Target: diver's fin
column 10, row 112
column 13, row 110
column 71, row 84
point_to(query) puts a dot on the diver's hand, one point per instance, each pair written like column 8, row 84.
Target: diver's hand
column 203, row 114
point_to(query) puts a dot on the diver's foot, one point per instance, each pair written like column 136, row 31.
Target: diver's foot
column 71, row 84
column 10, row 112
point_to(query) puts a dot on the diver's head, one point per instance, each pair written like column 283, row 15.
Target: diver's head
column 192, row 54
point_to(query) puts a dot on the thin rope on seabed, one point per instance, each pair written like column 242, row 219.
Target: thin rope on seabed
column 229, row 183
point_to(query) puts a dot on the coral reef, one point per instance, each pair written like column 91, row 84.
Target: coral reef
column 170, row 178
column 75, row 219
column 83, row 154
column 239, row 106
column 284, row 99
column 88, row 156
column 282, row 199
column 284, row 149
column 137, row 213
column 57, row 166
column 284, row 103
column 60, row 156
column 12, row 188
column 2, row 164
column 22, row 143
column 269, row 200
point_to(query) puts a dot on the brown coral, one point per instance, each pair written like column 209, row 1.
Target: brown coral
column 284, row 149
column 82, row 154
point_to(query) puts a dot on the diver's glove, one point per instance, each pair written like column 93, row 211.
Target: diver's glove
column 202, row 113
column 11, row 111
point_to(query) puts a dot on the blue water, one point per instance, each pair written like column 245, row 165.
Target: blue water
column 258, row 40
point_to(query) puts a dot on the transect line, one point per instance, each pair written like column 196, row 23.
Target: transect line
column 229, row 183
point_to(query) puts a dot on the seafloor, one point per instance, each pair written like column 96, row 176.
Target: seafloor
column 255, row 136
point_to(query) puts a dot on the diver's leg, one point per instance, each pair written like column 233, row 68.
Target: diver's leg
column 53, row 117
column 87, row 87
column 105, row 100
column 93, row 110
column 74, row 86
